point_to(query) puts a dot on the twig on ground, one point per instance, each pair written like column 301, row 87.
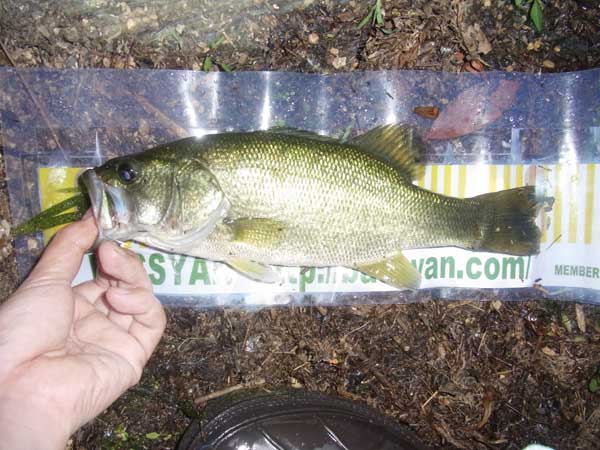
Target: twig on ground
column 434, row 395
column 229, row 390
column 166, row 121
column 371, row 366
column 34, row 99
column 447, row 436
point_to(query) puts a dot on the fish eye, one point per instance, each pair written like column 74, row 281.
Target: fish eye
column 126, row 172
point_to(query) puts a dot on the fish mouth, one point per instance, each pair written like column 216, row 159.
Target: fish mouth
column 109, row 205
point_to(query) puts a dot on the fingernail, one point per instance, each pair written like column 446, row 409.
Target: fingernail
column 120, row 250
column 123, row 251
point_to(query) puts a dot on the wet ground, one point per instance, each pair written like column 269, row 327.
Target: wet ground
column 463, row 375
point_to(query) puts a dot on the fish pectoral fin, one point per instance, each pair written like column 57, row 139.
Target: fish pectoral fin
column 258, row 232
column 396, row 271
column 255, row 271
column 396, row 144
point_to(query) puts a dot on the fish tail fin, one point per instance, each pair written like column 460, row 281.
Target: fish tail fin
column 508, row 221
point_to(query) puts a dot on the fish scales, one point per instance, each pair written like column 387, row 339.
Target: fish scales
column 325, row 193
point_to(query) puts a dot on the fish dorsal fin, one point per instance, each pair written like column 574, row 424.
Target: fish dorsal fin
column 396, row 271
column 396, row 144
column 289, row 131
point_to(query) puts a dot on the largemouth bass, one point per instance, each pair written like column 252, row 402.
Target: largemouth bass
column 286, row 197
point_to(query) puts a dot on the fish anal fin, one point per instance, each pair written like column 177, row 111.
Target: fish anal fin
column 253, row 270
column 258, row 232
column 396, row 144
column 397, row 271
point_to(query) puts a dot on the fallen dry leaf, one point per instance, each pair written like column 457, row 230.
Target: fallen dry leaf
column 580, row 316
column 473, row 109
column 548, row 351
column 476, row 40
column 468, row 67
column 477, row 65
column 428, row 112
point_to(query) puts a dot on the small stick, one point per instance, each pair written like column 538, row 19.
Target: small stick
column 447, row 436
column 300, row 366
column 229, row 390
column 34, row 100
column 371, row 366
column 355, row 330
column 166, row 121
column 434, row 395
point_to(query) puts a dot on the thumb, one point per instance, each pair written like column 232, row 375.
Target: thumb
column 62, row 258
column 38, row 316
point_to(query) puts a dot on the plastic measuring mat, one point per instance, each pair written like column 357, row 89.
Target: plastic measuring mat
column 494, row 131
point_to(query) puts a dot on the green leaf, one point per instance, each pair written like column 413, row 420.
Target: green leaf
column 121, row 433
column 177, row 39
column 225, row 67
column 594, row 385
column 207, row 64
column 366, row 19
column 536, row 14
column 217, row 42
column 152, row 436
column 519, row 3
column 378, row 14
column 564, row 318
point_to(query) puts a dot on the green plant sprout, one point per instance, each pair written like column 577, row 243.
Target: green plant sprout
column 535, row 12
column 375, row 16
column 152, row 436
column 208, row 62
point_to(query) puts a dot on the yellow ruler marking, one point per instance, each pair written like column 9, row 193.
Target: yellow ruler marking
column 447, row 180
column 462, row 181
column 589, row 203
column 493, row 176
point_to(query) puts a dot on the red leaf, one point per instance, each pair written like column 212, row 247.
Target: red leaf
column 428, row 112
column 473, row 109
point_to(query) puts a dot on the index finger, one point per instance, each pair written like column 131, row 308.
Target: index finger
column 63, row 255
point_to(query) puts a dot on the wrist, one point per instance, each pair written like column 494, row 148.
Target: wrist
column 27, row 424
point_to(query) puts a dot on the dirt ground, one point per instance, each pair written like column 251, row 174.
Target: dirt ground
column 463, row 375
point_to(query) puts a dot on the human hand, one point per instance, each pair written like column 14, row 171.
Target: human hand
column 67, row 353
